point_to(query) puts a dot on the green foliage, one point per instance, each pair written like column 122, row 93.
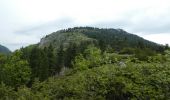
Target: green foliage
column 117, row 39
column 143, row 54
column 75, row 40
column 92, row 58
column 127, row 51
column 27, row 52
column 71, row 52
column 43, row 62
column 101, row 64
column 25, row 93
column 60, row 58
column 39, row 64
column 3, row 59
column 111, row 82
column 93, row 54
column 167, row 55
column 81, row 63
column 51, row 60
column 16, row 71
column 107, row 79
column 6, row 92
column 166, row 46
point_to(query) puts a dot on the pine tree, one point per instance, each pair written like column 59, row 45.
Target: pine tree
column 102, row 45
column 44, row 67
column 51, row 60
column 39, row 64
column 60, row 59
column 71, row 53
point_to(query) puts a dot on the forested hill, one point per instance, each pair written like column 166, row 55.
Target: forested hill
column 116, row 39
column 85, row 63
column 4, row 50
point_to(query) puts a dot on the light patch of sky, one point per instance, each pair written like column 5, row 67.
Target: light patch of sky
column 24, row 22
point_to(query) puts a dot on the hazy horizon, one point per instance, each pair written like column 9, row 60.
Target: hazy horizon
column 25, row 22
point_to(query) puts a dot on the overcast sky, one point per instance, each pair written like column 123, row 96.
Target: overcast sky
column 24, row 22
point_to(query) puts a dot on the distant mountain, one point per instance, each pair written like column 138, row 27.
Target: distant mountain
column 113, row 38
column 4, row 50
column 65, row 38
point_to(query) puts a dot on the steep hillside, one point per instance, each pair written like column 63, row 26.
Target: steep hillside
column 65, row 39
column 114, row 38
column 4, row 50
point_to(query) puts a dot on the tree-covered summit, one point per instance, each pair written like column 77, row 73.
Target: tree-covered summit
column 114, row 38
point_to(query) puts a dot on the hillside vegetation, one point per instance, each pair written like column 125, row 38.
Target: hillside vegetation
column 114, row 38
column 85, row 63
column 4, row 50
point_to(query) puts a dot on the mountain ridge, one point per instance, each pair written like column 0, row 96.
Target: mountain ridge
column 116, row 38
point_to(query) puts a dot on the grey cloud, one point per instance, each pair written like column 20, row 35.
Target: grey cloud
column 140, row 22
column 112, row 24
column 37, row 31
column 136, row 22
column 156, row 27
column 47, row 27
